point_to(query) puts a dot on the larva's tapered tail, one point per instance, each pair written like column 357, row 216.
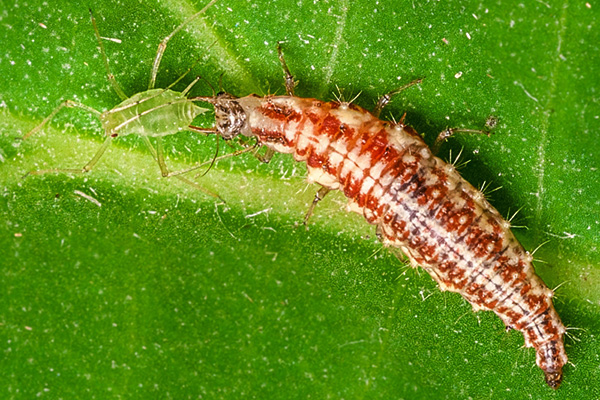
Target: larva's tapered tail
column 551, row 357
column 545, row 333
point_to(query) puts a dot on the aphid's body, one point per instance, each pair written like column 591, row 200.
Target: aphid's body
column 419, row 203
column 151, row 113
column 155, row 112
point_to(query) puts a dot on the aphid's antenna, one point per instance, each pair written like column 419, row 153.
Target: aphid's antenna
column 110, row 76
column 160, row 92
column 188, row 71
column 461, row 317
column 163, row 45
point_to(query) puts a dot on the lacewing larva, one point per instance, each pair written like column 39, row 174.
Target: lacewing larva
column 418, row 203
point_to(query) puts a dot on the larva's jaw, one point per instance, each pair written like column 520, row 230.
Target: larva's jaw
column 230, row 117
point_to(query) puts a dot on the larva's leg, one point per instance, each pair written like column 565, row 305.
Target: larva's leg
column 265, row 158
column 385, row 99
column 256, row 148
column 109, row 75
column 448, row 132
column 320, row 195
column 163, row 45
column 290, row 83
column 86, row 168
column 395, row 251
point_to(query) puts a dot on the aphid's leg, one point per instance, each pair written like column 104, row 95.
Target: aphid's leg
column 163, row 45
column 448, row 132
column 320, row 195
column 385, row 99
column 190, row 86
column 86, row 168
column 110, row 76
column 158, row 155
column 290, row 83
column 66, row 103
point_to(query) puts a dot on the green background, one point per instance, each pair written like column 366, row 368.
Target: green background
column 163, row 292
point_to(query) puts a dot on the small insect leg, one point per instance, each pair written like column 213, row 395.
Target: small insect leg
column 394, row 250
column 190, row 86
column 109, row 75
column 86, row 168
column 320, row 195
column 66, row 103
column 290, row 83
column 264, row 158
column 385, row 99
column 163, row 44
column 159, row 155
column 448, row 132
column 256, row 148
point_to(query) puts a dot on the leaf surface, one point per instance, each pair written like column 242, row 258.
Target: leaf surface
column 122, row 284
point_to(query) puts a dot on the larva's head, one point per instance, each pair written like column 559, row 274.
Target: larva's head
column 230, row 116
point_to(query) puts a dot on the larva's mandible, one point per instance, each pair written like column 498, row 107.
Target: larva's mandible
column 419, row 204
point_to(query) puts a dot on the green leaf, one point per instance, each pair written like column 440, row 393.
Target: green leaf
column 123, row 284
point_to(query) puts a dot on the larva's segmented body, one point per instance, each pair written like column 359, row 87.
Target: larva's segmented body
column 418, row 202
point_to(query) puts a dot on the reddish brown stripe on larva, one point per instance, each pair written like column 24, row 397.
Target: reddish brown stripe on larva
column 419, row 204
